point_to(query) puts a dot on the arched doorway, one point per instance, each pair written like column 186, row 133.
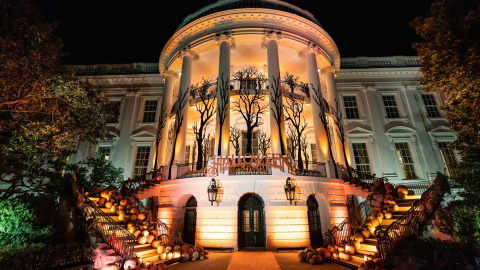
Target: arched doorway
column 190, row 221
column 251, row 222
column 314, row 226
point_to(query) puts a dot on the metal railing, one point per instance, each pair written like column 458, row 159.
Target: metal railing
column 390, row 240
column 250, row 170
column 131, row 186
column 370, row 182
column 115, row 236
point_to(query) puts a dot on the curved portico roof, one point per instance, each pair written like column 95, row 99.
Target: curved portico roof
column 223, row 5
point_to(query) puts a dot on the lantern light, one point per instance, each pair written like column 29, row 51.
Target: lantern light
column 290, row 190
column 212, row 191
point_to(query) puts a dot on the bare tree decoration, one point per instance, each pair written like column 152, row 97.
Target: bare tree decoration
column 194, row 152
column 291, row 81
column 304, row 88
column 304, row 147
column 249, row 107
column 292, row 142
column 162, row 123
column 293, row 113
column 323, row 114
column 224, row 87
column 337, row 119
column 264, row 142
column 235, row 135
column 205, row 107
column 277, row 109
column 180, row 104
column 206, row 146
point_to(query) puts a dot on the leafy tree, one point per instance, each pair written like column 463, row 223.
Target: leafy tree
column 451, row 64
column 96, row 171
column 44, row 111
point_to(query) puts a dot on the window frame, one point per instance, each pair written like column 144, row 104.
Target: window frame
column 437, row 101
column 141, row 113
column 367, row 150
column 136, row 145
column 413, row 156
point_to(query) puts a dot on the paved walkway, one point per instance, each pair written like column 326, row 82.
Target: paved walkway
column 252, row 260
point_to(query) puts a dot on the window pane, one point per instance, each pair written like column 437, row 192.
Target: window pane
column 406, row 160
column 104, row 151
column 254, row 143
column 246, row 220
column 256, row 220
column 390, row 106
column 187, row 154
column 430, row 105
column 360, row 154
column 149, row 111
column 449, row 158
column 351, row 110
column 141, row 160
column 313, row 149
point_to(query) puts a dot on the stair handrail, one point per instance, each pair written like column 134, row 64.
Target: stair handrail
column 139, row 183
column 397, row 234
column 115, row 236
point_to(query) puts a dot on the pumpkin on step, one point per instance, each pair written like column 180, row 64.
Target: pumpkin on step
column 130, row 264
column 163, row 256
column 359, row 237
column 156, row 244
column 142, row 240
column 141, row 216
column 356, row 244
column 350, row 249
column 137, row 233
column 388, row 215
column 111, row 266
column 324, row 253
column 150, row 238
column 176, row 254
column 331, row 248
column 160, row 249
column 366, row 233
column 344, row 256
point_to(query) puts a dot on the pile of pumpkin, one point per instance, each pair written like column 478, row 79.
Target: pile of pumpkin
column 314, row 256
column 185, row 252
column 113, row 200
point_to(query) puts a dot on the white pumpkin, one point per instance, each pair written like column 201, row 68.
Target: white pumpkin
column 130, row 264
column 111, row 266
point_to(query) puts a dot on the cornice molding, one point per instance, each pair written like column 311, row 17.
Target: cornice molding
column 380, row 73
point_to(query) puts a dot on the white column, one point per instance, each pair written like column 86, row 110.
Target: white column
column 185, row 83
column 277, row 132
column 321, row 140
column 332, row 96
column 170, row 77
column 222, row 143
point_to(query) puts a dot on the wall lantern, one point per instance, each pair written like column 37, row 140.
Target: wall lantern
column 212, row 191
column 290, row 190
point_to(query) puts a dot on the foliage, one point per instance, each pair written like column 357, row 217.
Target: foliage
column 451, row 64
column 28, row 219
column 44, row 111
column 96, row 171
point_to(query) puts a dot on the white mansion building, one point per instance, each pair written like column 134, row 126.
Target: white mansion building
column 232, row 60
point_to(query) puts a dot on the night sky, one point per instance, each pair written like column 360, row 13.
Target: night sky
column 105, row 31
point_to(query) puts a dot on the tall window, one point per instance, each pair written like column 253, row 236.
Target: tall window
column 362, row 162
column 449, row 158
column 104, row 151
column 150, row 111
column 313, row 149
column 187, row 154
column 390, row 105
column 351, row 108
column 141, row 160
column 406, row 160
column 254, row 143
column 430, row 105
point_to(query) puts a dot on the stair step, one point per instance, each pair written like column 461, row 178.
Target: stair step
column 388, row 221
column 367, row 248
column 93, row 199
column 145, row 252
column 152, row 258
column 413, row 197
column 370, row 242
column 404, row 208
column 138, row 246
column 357, row 259
column 352, row 264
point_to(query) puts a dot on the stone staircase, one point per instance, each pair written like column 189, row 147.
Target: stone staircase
column 369, row 246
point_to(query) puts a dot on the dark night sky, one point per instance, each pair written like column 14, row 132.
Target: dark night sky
column 106, row 31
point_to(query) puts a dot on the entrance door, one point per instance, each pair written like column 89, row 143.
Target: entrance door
column 190, row 221
column 316, row 237
column 251, row 220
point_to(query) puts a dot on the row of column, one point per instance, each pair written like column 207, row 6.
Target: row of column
column 222, row 128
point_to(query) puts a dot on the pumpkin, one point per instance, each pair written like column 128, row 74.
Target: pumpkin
column 393, row 207
column 108, row 204
column 366, row 233
column 145, row 232
column 344, row 256
column 330, row 248
column 324, row 253
column 141, row 216
column 104, row 194
column 177, row 254
column 163, row 256
column 114, row 208
column 201, row 258
column 375, row 223
column 101, row 201
column 150, row 238
column 130, row 264
column 195, row 255
column 309, row 255
column 156, row 244
column 311, row 261
column 302, row 255
column 388, row 215
column 317, row 259
column 359, row 237
column 206, row 256
column 142, row 240
column 402, row 196
column 132, row 229
column 133, row 217
column 134, row 210
column 123, row 202
column 193, row 259
column 371, row 230
column 129, row 225
column 336, row 254
column 138, row 260
column 350, row 249
column 160, row 249
column 121, row 217
column 185, row 257
column 356, row 244
column 128, row 206
column 402, row 190
column 169, row 255
column 177, row 247
column 111, row 266
column 341, row 248
column 137, row 233
column 206, row 252
column 168, row 249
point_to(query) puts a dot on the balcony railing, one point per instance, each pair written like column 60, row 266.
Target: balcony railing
column 250, row 170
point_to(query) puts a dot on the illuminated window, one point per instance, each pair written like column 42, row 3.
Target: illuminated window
column 449, row 158
column 362, row 162
column 246, row 220
column 430, row 105
column 149, row 111
column 406, row 160
column 254, row 143
column 313, row 149
column 187, row 154
column 104, row 151
column 351, row 108
column 141, row 160
column 390, row 105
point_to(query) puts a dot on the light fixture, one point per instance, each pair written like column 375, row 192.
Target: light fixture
column 179, row 73
column 212, row 191
column 290, row 190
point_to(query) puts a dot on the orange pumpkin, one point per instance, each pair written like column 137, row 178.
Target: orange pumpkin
column 350, row 249
column 330, row 248
column 142, row 240
column 356, row 244
column 161, row 249
column 150, row 238
column 141, row 216
column 359, row 237
column 156, row 244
